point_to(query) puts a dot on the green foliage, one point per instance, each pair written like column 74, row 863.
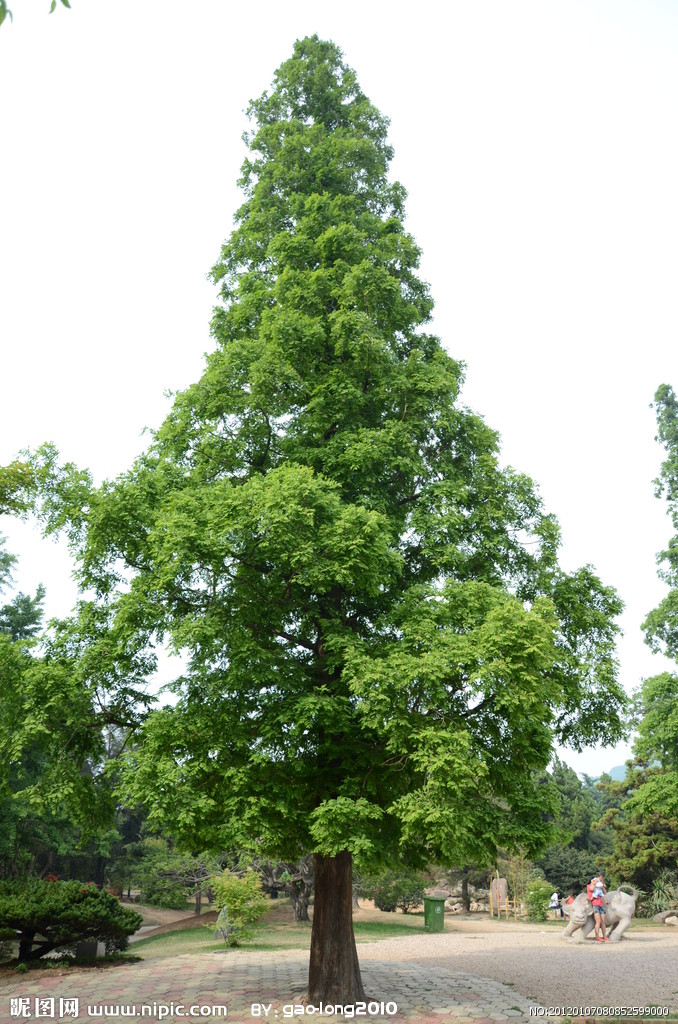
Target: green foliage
column 572, row 861
column 21, row 617
column 580, row 805
column 661, row 625
column 55, row 807
column 62, row 914
column 150, row 864
column 51, row 752
column 646, row 824
column 65, row 713
column 395, row 889
column 537, row 899
column 244, row 902
column 568, row 868
column 519, row 872
column 5, row 11
column 15, row 479
column 165, row 877
column 381, row 645
column 664, row 894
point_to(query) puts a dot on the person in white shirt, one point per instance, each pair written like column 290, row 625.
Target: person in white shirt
column 555, row 903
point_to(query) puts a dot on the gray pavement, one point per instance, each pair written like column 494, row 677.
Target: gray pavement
column 254, row 986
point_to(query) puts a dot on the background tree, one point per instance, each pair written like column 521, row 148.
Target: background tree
column 645, row 825
column 21, row 617
column 382, row 646
column 661, row 625
column 584, row 842
column 31, row 842
column 169, row 878
column 57, row 732
column 15, row 483
column 468, row 876
column 294, row 879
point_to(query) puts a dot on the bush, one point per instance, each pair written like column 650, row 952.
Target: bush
column 391, row 890
column 538, row 899
column 242, row 901
column 663, row 896
column 63, row 913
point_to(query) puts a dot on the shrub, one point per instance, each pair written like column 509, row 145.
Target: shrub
column 243, row 902
column 663, row 896
column 391, row 890
column 63, row 913
column 538, row 899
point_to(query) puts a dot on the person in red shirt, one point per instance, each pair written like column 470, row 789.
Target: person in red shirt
column 598, row 889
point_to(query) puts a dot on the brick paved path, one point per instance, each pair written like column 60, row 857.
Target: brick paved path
column 423, row 994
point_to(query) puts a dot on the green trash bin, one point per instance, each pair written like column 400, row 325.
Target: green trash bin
column 434, row 914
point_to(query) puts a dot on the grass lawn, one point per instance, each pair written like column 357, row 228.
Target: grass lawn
column 279, row 931
column 273, row 933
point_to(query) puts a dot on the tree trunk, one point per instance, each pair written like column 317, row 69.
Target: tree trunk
column 26, row 945
column 198, row 898
column 334, row 972
column 299, row 898
column 100, row 872
column 465, row 898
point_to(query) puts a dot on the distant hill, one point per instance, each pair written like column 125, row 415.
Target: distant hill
column 618, row 774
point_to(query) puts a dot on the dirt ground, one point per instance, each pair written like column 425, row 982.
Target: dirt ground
column 540, row 964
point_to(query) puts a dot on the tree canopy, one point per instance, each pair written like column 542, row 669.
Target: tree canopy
column 646, row 823
column 382, row 647
column 56, row 806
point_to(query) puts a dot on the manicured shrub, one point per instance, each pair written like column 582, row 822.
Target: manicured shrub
column 243, row 902
column 537, row 899
column 393, row 890
column 63, row 914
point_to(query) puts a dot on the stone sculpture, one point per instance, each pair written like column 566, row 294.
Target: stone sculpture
column 619, row 909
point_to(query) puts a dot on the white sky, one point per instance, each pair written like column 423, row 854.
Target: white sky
column 538, row 145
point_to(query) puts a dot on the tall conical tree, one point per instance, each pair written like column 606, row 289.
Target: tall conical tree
column 382, row 645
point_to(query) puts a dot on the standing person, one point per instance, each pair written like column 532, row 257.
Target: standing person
column 568, row 901
column 555, row 902
column 598, row 890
